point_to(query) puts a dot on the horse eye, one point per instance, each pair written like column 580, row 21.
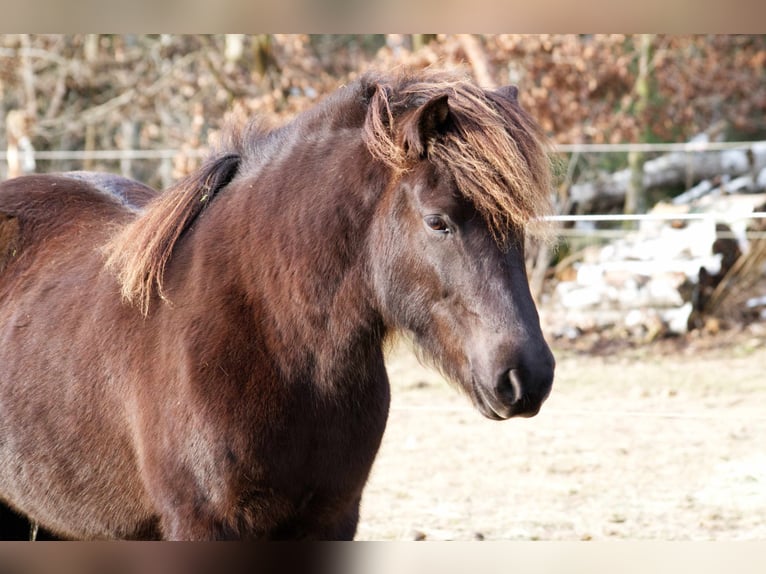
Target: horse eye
column 436, row 223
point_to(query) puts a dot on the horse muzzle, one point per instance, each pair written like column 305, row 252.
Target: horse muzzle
column 518, row 391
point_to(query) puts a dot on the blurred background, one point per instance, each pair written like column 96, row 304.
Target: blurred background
column 652, row 293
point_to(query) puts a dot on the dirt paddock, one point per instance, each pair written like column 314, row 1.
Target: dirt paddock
column 640, row 444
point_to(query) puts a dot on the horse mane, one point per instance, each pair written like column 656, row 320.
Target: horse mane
column 496, row 153
column 139, row 253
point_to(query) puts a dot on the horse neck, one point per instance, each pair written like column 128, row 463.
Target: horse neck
column 296, row 237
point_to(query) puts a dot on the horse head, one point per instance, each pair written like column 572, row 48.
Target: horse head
column 471, row 173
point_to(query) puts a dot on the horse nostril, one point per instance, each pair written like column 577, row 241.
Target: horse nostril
column 509, row 386
column 515, row 380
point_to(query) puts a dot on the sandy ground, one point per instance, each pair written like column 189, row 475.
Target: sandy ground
column 638, row 444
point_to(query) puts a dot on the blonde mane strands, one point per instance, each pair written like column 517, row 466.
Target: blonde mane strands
column 496, row 153
column 139, row 253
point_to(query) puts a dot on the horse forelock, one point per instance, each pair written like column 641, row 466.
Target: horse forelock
column 497, row 155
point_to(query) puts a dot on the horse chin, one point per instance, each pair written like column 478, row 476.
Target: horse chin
column 488, row 406
column 493, row 408
column 489, row 412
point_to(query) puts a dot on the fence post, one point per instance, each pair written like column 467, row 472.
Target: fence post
column 129, row 143
column 20, row 154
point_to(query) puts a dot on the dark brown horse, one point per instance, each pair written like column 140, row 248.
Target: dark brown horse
column 208, row 363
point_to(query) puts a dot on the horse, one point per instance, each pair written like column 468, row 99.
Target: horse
column 207, row 362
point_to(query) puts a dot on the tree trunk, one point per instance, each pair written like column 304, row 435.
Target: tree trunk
column 28, row 78
column 478, row 59
column 635, row 196
column 262, row 54
column 90, row 48
column 421, row 40
column 234, row 49
column 129, row 142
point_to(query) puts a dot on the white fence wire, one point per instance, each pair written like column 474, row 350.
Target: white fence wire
column 691, row 147
column 582, row 148
column 574, row 148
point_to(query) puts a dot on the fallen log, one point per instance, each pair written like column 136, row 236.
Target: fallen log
column 747, row 164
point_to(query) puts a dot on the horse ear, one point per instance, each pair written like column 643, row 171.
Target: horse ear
column 427, row 123
column 509, row 93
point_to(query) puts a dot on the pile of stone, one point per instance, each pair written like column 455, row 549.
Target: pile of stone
column 653, row 280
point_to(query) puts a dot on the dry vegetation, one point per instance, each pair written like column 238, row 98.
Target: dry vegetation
column 172, row 92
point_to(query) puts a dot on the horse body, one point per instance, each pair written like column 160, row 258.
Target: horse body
column 161, row 413
column 243, row 394
column 58, row 221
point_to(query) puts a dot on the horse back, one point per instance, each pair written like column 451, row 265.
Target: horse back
column 34, row 208
column 130, row 193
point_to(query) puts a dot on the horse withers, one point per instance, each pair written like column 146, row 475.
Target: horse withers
column 206, row 363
